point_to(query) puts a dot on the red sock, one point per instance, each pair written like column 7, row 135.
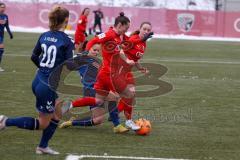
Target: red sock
column 121, row 105
column 85, row 101
column 128, row 112
column 126, row 105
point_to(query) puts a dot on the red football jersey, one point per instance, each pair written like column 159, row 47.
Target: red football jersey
column 137, row 51
column 82, row 23
column 135, row 54
column 110, row 42
column 81, row 28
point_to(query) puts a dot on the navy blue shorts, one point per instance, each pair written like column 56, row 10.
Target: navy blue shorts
column 1, row 39
column 45, row 96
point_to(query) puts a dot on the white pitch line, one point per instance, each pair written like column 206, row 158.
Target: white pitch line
column 17, row 55
column 79, row 157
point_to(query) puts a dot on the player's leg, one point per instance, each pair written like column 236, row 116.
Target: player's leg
column 102, row 90
column 48, row 122
column 94, row 27
column 97, row 110
column 113, row 113
column 126, row 103
column 100, row 26
column 97, row 113
column 29, row 123
column 1, row 52
column 88, row 91
column 79, row 45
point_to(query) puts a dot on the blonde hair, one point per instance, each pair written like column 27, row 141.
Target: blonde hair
column 57, row 17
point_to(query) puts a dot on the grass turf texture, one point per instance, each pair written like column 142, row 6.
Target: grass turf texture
column 199, row 119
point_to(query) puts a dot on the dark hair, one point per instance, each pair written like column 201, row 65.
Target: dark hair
column 121, row 19
column 84, row 10
column 2, row 4
column 57, row 17
column 138, row 31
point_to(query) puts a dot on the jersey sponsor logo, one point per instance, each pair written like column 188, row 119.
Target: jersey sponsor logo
column 101, row 36
column 185, row 21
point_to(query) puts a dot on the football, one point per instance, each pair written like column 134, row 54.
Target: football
column 145, row 126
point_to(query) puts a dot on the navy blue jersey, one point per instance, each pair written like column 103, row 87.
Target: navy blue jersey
column 51, row 50
column 3, row 24
column 88, row 73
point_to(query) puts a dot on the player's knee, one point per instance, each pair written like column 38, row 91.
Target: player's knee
column 44, row 125
column 99, row 101
column 130, row 94
column 98, row 120
column 58, row 110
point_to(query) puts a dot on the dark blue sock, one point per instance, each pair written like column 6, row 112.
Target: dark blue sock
column 83, row 122
column 48, row 133
column 1, row 54
column 23, row 122
column 113, row 112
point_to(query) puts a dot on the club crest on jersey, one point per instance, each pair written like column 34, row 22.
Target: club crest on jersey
column 102, row 35
column 185, row 21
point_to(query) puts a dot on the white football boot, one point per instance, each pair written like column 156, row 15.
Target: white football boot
column 130, row 124
column 3, row 121
column 47, row 150
column 1, row 69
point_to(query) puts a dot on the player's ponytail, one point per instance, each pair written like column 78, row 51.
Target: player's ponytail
column 121, row 19
column 57, row 18
column 138, row 31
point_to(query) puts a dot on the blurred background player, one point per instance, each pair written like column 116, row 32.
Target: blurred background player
column 80, row 34
column 88, row 78
column 124, row 78
column 98, row 16
column 52, row 49
column 3, row 23
column 110, row 42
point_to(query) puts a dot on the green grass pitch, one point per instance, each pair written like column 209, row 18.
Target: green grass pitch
column 198, row 119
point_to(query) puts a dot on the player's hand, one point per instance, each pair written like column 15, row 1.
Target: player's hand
column 147, row 36
column 84, row 52
column 85, row 33
column 11, row 36
column 144, row 70
column 84, row 45
column 130, row 62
